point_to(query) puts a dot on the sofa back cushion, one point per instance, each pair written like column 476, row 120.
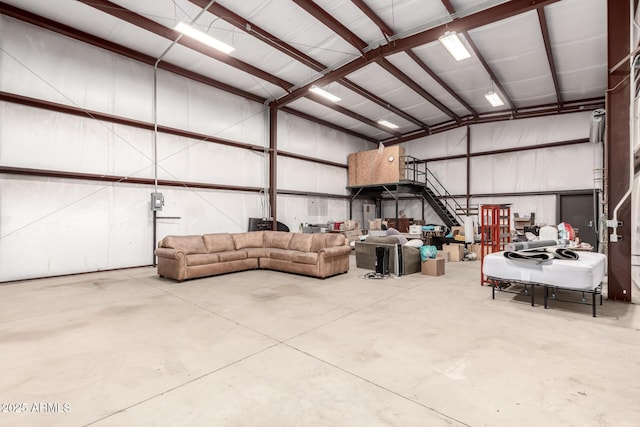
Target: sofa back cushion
column 335, row 240
column 326, row 240
column 318, row 242
column 277, row 239
column 391, row 239
column 252, row 239
column 186, row 244
column 218, row 242
column 301, row 242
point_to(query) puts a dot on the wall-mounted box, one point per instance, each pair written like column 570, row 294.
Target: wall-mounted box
column 157, row 201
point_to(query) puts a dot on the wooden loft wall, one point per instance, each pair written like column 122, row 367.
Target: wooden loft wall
column 376, row 166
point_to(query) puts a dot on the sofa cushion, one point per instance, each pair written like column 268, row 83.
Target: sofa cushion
column 305, row 257
column 301, row 242
column 201, row 259
column 186, row 244
column 218, row 242
column 252, row 239
column 334, row 240
column 281, row 254
column 277, row 239
column 257, row 252
column 232, row 256
column 318, row 242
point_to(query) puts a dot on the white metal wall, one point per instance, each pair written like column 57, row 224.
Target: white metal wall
column 299, row 136
column 60, row 226
column 560, row 168
column 86, row 226
column 44, row 65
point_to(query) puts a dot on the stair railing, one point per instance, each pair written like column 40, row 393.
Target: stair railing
column 416, row 170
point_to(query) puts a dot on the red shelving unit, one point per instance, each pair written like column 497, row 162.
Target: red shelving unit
column 495, row 231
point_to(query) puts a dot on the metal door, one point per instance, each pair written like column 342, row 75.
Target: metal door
column 579, row 211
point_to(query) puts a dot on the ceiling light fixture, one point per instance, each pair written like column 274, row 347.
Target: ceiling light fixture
column 188, row 30
column 388, row 124
column 494, row 99
column 452, row 42
column 328, row 95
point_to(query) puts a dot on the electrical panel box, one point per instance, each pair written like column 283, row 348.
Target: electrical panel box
column 157, row 201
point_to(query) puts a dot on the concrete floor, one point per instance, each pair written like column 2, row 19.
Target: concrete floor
column 264, row 348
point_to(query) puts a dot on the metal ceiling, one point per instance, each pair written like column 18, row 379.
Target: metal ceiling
column 382, row 57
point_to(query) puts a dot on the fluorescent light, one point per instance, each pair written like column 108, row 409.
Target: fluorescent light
column 454, row 45
column 494, row 99
column 188, row 30
column 388, row 124
column 319, row 91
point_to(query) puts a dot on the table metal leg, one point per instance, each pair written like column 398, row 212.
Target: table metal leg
column 546, row 295
column 533, row 295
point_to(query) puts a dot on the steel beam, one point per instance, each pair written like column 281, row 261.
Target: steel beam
column 492, row 74
column 355, row 41
column 618, row 140
column 536, row 111
column 447, row 4
column 332, row 23
column 140, row 21
column 273, row 165
column 160, row 30
column 441, row 82
column 386, row 30
column 294, row 53
column 121, row 179
column 352, row 114
column 479, row 19
column 468, row 158
column 547, row 45
column 325, row 123
column 407, row 81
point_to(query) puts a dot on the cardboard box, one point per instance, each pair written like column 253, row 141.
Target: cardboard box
column 456, row 251
column 457, row 230
column 433, row 267
column 444, row 255
column 375, row 224
column 476, row 248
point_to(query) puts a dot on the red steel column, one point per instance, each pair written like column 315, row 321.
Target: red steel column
column 273, row 164
column 619, row 255
column 468, row 167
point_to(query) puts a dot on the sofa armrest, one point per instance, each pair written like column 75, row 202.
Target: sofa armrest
column 169, row 253
column 335, row 251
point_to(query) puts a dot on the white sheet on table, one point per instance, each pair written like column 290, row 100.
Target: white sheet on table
column 583, row 274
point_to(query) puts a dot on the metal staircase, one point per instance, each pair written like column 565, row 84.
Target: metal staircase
column 433, row 192
column 449, row 217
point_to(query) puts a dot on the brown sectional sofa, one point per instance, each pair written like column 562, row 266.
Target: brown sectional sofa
column 188, row 257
